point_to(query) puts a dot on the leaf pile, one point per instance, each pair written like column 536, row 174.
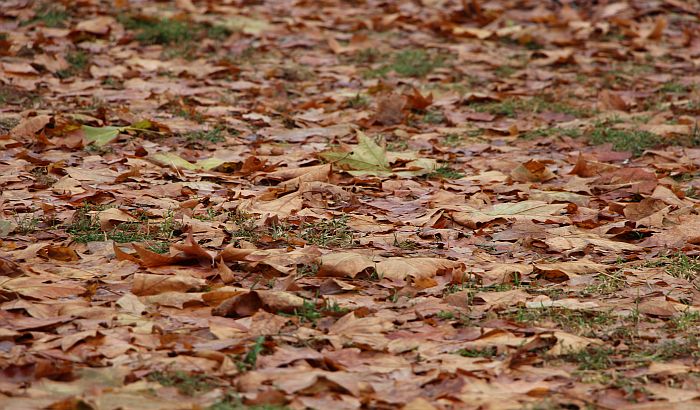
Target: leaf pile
column 344, row 205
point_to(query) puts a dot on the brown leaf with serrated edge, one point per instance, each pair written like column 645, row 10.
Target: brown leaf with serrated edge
column 532, row 171
column 416, row 101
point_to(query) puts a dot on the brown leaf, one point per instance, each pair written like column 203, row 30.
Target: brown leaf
column 111, row 217
column 361, row 331
column 59, row 253
column 28, row 127
column 390, row 110
column 398, row 269
column 193, row 249
column 569, row 344
column 611, row 100
column 99, row 25
column 245, row 304
column 499, row 300
column 9, row 268
column 148, row 284
column 37, row 288
column 416, row 101
column 532, row 171
column 344, row 264
column 151, row 259
column 281, row 207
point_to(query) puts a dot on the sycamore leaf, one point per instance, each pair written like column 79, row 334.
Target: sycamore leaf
column 368, row 158
column 419, row 166
column 142, row 125
column 209, row 163
column 344, row 264
column 398, row 269
column 525, row 210
column 101, row 136
column 246, row 25
column 174, row 160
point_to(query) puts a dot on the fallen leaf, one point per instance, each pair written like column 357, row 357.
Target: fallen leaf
column 149, row 284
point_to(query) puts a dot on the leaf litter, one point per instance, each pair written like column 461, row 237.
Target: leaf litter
column 418, row 205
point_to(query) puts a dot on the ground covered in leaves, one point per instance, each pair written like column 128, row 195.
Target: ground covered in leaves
column 426, row 204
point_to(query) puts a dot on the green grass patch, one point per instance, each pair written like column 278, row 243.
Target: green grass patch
column 26, row 224
column 244, row 226
column 86, row 228
column 593, row 358
column 548, row 132
column 328, row 233
column 433, row 117
column 634, row 141
column 511, row 107
column 504, row 71
column 365, row 56
column 159, row 31
column 445, row 315
column 186, row 383
column 251, row 357
column 674, row 88
column 678, row 265
column 452, row 140
column 605, row 284
column 685, row 321
column 445, row 172
column 409, row 63
column 218, row 32
column 357, row 101
column 407, row 245
column 686, row 346
column 415, row 63
column 310, row 312
column 485, row 352
column 181, row 36
column 211, row 136
column 78, row 61
column 576, row 321
column 50, row 15
column 310, row 269
column 233, row 402
column 186, row 111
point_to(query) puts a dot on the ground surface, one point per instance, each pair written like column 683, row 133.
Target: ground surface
column 349, row 204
